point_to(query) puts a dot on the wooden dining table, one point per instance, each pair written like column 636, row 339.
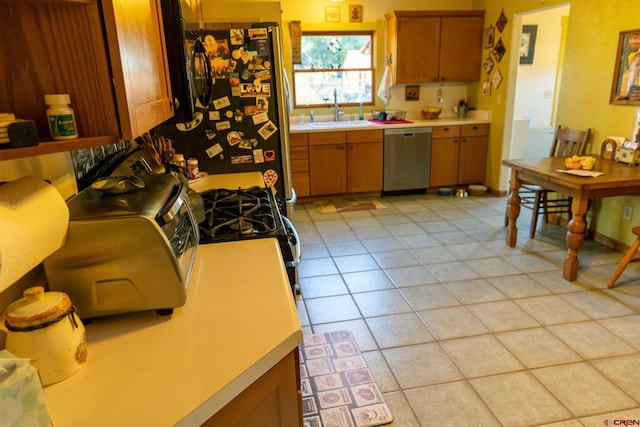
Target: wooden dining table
column 619, row 179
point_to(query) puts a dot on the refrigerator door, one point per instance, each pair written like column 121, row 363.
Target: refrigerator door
column 245, row 128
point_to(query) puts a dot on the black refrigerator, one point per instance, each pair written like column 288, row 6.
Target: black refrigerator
column 245, row 127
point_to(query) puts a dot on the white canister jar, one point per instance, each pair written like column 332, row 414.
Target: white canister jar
column 44, row 328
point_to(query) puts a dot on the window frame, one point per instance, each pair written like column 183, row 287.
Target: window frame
column 372, row 36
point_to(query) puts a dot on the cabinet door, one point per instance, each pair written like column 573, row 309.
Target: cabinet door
column 328, row 169
column 473, row 159
column 461, row 48
column 444, row 161
column 142, row 87
column 299, row 153
column 417, row 49
column 364, row 166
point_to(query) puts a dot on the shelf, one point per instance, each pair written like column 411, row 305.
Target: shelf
column 49, row 147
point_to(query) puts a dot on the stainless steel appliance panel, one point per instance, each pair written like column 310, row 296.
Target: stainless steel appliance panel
column 407, row 158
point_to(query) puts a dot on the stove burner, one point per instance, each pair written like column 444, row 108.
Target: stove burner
column 236, row 214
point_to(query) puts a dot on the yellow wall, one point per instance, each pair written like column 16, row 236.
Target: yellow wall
column 583, row 98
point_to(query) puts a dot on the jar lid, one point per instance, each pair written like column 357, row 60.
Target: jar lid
column 37, row 308
column 57, row 99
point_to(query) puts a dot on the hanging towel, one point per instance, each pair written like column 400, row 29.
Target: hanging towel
column 384, row 91
column 287, row 90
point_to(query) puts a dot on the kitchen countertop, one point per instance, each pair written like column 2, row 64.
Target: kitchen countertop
column 478, row 118
column 144, row 369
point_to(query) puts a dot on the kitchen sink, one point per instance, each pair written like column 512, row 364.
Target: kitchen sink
column 338, row 125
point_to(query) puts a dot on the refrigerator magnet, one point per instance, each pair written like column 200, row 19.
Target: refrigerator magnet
column 214, row 116
column 267, row 130
column 236, row 35
column 269, row 155
column 214, row 150
column 245, row 144
column 221, row 103
column 270, row 178
column 243, row 159
column 258, row 156
column 223, row 125
column 257, row 33
column 260, row 118
column 233, row 138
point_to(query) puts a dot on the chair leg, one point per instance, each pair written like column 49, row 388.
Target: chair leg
column 625, row 260
column 534, row 215
column 545, row 206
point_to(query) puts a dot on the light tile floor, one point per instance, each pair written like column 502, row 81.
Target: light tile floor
column 460, row 329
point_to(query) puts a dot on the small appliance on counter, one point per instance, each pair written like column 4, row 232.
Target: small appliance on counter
column 130, row 246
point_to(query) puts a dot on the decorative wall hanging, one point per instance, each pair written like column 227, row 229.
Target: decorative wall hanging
column 488, row 64
column 502, row 21
column 332, row 13
column 528, row 43
column 412, row 93
column 625, row 89
column 486, row 87
column 355, row 13
column 499, row 50
column 296, row 42
column 489, row 34
column 496, row 78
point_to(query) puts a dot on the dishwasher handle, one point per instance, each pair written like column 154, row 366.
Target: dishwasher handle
column 408, row 133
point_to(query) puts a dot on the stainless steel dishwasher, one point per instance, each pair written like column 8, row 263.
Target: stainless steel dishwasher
column 407, row 159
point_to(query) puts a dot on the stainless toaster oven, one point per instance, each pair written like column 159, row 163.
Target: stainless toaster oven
column 128, row 249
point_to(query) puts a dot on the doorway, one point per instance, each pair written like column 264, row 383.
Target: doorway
column 532, row 93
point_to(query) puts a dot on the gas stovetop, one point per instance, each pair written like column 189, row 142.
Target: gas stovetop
column 239, row 214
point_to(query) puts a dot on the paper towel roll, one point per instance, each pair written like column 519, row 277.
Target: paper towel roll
column 33, row 223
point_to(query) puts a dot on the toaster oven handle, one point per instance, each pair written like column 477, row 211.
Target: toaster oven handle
column 289, row 225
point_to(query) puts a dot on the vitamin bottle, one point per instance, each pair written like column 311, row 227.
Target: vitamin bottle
column 62, row 122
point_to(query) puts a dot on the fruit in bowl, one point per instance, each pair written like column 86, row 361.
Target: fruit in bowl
column 431, row 113
column 580, row 162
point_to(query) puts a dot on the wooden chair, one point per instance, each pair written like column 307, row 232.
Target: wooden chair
column 628, row 256
column 566, row 143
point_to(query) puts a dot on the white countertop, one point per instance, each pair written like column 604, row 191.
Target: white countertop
column 143, row 369
column 478, row 117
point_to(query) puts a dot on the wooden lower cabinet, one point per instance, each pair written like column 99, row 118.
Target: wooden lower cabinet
column 345, row 162
column 299, row 154
column 273, row 400
column 459, row 155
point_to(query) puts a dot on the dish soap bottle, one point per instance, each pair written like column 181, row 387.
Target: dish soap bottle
column 361, row 111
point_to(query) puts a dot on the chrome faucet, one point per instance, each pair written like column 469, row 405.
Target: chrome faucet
column 336, row 106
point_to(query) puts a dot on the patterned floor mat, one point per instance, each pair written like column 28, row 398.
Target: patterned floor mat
column 338, row 389
column 348, row 205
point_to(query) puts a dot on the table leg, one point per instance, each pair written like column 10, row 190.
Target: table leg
column 575, row 237
column 513, row 210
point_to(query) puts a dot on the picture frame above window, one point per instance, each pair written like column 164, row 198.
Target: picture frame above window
column 625, row 88
column 528, row 44
column 332, row 13
column 355, row 13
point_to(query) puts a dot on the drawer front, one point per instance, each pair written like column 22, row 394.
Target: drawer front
column 475, row 130
column 445, row 131
column 299, row 165
column 373, row 135
column 298, row 139
column 298, row 153
column 327, row 138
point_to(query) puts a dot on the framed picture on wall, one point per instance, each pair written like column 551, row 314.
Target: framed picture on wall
column 625, row 89
column 355, row 13
column 489, row 34
column 332, row 13
column 528, row 43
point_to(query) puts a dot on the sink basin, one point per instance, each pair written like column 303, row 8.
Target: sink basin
column 338, row 125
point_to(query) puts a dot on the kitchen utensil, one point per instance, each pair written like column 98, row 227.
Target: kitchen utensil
column 461, row 193
column 43, row 326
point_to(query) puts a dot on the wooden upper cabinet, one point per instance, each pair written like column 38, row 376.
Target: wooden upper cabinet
column 108, row 55
column 435, row 46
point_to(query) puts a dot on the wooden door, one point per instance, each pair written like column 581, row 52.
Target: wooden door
column 135, row 39
column 364, row 166
column 473, row 159
column 328, row 169
column 444, row 161
column 461, row 48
